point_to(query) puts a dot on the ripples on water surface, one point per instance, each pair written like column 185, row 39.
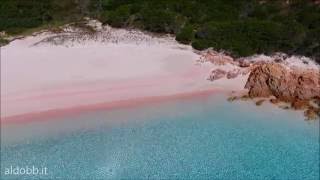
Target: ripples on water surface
column 200, row 137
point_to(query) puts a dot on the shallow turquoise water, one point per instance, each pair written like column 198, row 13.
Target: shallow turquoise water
column 202, row 137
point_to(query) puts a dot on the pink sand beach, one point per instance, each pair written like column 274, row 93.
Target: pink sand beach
column 117, row 68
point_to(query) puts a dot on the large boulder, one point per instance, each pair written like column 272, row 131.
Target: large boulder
column 273, row 79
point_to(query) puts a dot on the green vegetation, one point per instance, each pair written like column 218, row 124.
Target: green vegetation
column 186, row 34
column 3, row 42
column 244, row 38
column 242, row 27
column 18, row 16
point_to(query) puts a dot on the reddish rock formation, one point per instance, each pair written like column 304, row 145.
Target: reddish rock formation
column 217, row 74
column 233, row 74
column 274, row 79
column 299, row 87
column 300, row 104
column 308, row 85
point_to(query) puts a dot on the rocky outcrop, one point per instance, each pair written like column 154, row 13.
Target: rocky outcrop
column 274, row 79
column 292, row 81
column 297, row 87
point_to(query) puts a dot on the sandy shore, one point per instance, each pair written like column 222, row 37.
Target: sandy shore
column 50, row 72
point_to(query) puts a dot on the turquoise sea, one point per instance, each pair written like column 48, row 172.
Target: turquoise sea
column 203, row 137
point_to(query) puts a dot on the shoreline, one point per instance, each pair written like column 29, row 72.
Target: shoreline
column 71, row 111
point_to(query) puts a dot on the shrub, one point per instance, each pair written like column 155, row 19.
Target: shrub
column 118, row 17
column 242, row 38
column 157, row 20
column 186, row 34
column 3, row 42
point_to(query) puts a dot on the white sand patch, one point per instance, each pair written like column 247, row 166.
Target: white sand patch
column 300, row 62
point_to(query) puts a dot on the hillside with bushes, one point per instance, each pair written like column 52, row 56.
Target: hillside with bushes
column 242, row 27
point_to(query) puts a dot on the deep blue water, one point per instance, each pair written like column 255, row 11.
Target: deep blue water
column 198, row 138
